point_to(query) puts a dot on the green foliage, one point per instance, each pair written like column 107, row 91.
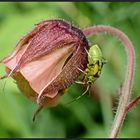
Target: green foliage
column 92, row 115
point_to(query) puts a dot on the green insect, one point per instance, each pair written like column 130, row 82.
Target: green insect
column 91, row 73
column 93, row 70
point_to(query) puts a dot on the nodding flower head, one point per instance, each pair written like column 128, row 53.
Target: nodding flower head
column 44, row 62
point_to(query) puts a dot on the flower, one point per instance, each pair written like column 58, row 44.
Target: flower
column 44, row 62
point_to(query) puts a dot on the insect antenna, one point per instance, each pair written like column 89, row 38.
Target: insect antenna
column 87, row 52
column 36, row 112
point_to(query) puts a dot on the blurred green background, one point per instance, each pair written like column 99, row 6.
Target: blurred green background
column 91, row 116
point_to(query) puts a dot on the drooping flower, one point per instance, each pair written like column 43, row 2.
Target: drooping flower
column 45, row 61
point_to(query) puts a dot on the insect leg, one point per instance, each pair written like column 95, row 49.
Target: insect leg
column 79, row 82
column 80, row 95
column 81, row 70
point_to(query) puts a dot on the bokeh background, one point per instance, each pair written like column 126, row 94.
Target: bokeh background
column 92, row 115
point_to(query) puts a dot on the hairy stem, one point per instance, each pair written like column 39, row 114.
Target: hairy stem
column 128, row 82
column 132, row 103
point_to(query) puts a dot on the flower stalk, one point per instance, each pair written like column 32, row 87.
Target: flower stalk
column 128, row 82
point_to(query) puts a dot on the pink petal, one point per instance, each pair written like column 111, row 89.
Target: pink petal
column 43, row 71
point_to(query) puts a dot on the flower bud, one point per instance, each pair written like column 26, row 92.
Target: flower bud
column 45, row 61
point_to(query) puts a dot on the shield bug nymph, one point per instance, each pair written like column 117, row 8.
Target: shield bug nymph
column 93, row 70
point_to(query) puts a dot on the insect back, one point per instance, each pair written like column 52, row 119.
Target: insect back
column 95, row 64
